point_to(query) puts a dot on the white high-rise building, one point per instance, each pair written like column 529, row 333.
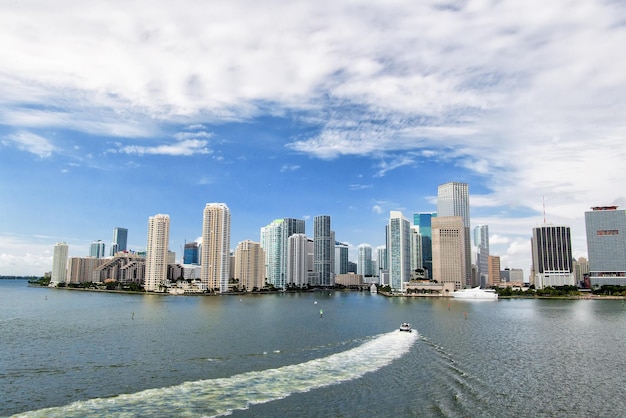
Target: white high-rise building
column 250, row 265
column 274, row 240
column 324, row 250
column 448, row 241
column 381, row 258
column 364, row 261
column 341, row 258
column 453, row 200
column 416, row 249
column 215, row 258
column 157, row 252
column 297, row 264
column 59, row 264
column 398, row 250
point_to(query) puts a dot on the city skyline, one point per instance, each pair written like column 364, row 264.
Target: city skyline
column 306, row 108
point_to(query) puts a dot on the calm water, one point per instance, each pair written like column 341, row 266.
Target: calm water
column 71, row 353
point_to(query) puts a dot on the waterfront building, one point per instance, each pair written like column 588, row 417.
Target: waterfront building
column 274, row 240
column 606, row 245
column 481, row 241
column 323, row 253
column 364, row 261
column 59, row 264
column 449, row 250
column 381, row 260
column 351, row 267
column 80, row 269
column 96, row 249
column 552, row 256
column 191, row 254
column 120, row 240
column 250, row 266
column 157, row 252
column 398, row 251
column 125, row 267
column 341, row 258
column 298, row 266
column 453, row 200
column 493, row 262
column 215, row 254
column 416, row 251
column 349, row 279
column 424, row 222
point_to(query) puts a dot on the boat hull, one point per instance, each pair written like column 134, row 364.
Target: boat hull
column 475, row 293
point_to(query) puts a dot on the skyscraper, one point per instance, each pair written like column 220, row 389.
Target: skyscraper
column 120, row 238
column 424, row 222
column 297, row 264
column 552, row 256
column 481, row 241
column 191, row 253
column 416, row 250
column 324, row 248
column 250, row 265
column 341, row 258
column 157, row 252
column 606, row 245
column 364, row 261
column 274, row 240
column 59, row 264
column 449, row 250
column 96, row 249
column 215, row 253
column 398, row 250
column 453, row 200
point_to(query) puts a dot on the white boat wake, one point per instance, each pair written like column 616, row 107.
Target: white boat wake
column 215, row 397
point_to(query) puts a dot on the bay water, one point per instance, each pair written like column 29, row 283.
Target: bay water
column 79, row 353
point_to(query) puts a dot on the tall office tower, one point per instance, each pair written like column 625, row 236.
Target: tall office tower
column 96, row 249
column 381, row 258
column 191, row 253
column 157, row 252
column 323, row 251
column 59, row 264
column 481, row 241
column 297, row 265
column 364, row 261
column 606, row 245
column 274, row 240
column 453, row 200
column 416, row 249
column 120, row 238
column 398, row 250
column 341, row 258
column 250, row 265
column 493, row 262
column 215, row 254
column 552, row 256
column 424, row 222
column 449, row 250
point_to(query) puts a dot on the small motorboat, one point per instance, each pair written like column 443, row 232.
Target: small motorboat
column 405, row 327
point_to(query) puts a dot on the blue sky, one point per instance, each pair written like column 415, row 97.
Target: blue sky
column 112, row 112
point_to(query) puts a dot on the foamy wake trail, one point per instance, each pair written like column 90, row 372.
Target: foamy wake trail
column 216, row 397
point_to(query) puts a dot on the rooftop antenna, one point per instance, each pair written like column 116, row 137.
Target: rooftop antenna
column 544, row 209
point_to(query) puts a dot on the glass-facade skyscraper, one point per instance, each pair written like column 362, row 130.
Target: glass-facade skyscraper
column 275, row 243
column 481, row 241
column 606, row 245
column 398, row 250
column 323, row 250
column 424, row 222
column 120, row 240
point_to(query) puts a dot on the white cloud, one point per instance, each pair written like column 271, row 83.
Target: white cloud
column 181, row 148
column 289, row 167
column 377, row 209
column 33, row 143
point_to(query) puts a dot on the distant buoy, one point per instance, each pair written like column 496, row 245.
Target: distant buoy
column 315, row 303
column 465, row 315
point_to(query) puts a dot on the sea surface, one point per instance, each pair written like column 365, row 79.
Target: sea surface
column 74, row 353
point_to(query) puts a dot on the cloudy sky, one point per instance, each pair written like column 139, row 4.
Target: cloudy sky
column 114, row 111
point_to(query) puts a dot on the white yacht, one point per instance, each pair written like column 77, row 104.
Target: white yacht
column 475, row 293
column 405, row 327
